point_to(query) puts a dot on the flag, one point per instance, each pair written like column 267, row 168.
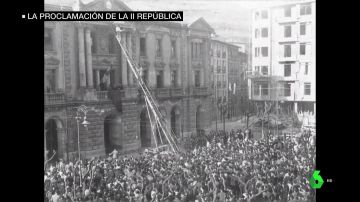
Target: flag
column 234, row 88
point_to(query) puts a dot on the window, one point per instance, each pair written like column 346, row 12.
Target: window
column 264, row 70
column 158, row 48
column 198, row 50
column 287, row 70
column 265, row 89
column 305, row 9
column 142, row 46
column 93, row 42
column 103, row 83
column 264, row 14
column 224, row 54
column 256, row 89
column 264, row 32
column 218, row 67
column 306, row 68
column 50, row 80
column 174, row 78
column 287, row 12
column 264, row 51
column 218, row 84
column 302, row 29
column 287, row 31
column 173, row 48
column 287, row 89
column 257, row 15
column 103, row 79
column 307, row 88
column 302, row 49
column 159, row 78
column 256, row 33
column 197, row 78
column 48, row 39
column 218, row 53
column 112, row 44
column 287, row 50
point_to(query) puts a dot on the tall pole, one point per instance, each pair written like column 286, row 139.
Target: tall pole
column 216, row 112
column 224, row 117
column 78, row 136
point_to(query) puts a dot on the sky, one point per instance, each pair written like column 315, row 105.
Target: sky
column 229, row 18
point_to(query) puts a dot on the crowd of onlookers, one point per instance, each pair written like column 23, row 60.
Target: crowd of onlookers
column 218, row 166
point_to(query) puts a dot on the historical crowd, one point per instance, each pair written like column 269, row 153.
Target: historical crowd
column 216, row 166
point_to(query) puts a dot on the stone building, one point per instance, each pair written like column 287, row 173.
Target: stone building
column 237, row 96
column 84, row 66
column 229, row 85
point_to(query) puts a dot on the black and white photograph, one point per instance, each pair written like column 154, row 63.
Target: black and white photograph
column 217, row 107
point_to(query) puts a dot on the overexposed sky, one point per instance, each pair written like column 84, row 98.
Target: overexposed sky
column 229, row 18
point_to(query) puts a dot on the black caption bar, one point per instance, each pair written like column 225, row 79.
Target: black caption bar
column 106, row 16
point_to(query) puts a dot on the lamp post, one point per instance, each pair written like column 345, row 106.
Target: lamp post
column 81, row 110
column 223, row 109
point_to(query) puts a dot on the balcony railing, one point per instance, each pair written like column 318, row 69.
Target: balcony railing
column 116, row 95
column 102, row 95
column 175, row 92
column 105, row 59
column 53, row 98
column 162, row 92
column 200, row 91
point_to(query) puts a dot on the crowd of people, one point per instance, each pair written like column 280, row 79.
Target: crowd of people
column 218, row 166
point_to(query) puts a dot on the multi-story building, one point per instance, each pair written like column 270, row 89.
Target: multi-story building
column 219, row 64
column 283, row 56
column 229, row 84
column 85, row 66
column 237, row 97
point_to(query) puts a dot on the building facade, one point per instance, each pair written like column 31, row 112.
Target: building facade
column 228, row 64
column 219, row 64
column 84, row 66
column 283, row 56
column 237, row 97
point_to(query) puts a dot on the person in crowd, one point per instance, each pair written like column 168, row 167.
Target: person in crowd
column 216, row 166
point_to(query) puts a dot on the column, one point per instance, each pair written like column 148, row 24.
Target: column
column 123, row 61
column 98, row 78
column 295, row 107
column 82, row 71
column 180, row 62
column 89, row 70
column 129, row 48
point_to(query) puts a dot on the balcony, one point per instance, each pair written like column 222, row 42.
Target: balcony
column 196, row 63
column 200, row 91
column 162, row 92
column 102, row 95
column 176, row 92
column 287, row 59
column 54, row 98
column 257, row 76
column 288, row 39
column 116, row 95
column 105, row 59
column 283, row 19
